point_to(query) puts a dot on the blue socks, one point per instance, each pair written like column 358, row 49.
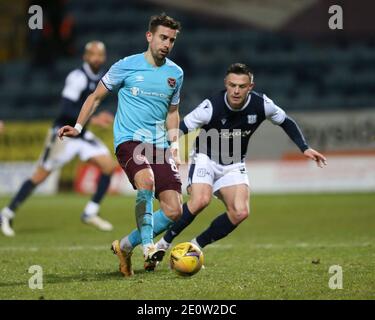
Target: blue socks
column 161, row 223
column 143, row 214
column 147, row 229
column 219, row 228
column 186, row 218
column 25, row 190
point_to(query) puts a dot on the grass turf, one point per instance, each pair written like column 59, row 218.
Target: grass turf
column 282, row 251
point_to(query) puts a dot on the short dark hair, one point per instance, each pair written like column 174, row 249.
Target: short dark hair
column 240, row 68
column 163, row 20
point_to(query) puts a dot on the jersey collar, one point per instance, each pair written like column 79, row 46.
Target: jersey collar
column 235, row 110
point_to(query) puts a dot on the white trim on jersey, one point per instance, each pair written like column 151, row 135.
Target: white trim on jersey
column 273, row 112
column 237, row 110
column 75, row 83
column 200, row 116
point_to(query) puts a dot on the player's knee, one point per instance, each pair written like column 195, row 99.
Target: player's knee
column 239, row 214
column 39, row 176
column 146, row 182
column 108, row 167
column 37, row 179
column 200, row 202
column 173, row 211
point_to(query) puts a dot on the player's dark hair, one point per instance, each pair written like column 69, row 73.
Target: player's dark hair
column 163, row 20
column 240, row 68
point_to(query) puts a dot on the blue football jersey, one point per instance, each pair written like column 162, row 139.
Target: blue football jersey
column 145, row 93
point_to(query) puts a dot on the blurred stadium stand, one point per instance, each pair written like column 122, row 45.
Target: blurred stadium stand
column 297, row 72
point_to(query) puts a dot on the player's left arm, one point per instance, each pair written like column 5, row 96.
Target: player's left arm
column 172, row 125
column 172, row 122
column 278, row 116
column 294, row 132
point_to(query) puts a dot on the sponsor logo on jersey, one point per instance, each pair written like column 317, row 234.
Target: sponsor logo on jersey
column 171, row 82
column 139, row 78
column 251, row 118
column 223, row 121
column 135, row 91
column 237, row 133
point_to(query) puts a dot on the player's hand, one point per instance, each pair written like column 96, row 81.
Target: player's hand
column 320, row 160
column 67, row 131
column 103, row 119
column 176, row 156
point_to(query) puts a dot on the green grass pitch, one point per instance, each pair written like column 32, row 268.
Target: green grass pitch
column 282, row 251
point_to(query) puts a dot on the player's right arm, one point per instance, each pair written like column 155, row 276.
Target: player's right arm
column 197, row 118
column 113, row 78
column 88, row 108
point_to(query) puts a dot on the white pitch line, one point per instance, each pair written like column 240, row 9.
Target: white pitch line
column 312, row 245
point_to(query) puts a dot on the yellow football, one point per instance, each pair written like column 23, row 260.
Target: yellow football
column 186, row 259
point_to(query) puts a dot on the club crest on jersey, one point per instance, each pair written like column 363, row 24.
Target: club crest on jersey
column 223, row 121
column 171, row 82
column 251, row 118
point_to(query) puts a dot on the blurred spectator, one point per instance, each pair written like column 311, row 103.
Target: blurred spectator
column 1, row 126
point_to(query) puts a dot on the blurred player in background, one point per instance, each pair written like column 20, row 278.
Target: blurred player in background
column 145, row 130
column 78, row 85
column 235, row 114
column 1, row 126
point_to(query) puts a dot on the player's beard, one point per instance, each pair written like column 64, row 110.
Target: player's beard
column 238, row 103
column 160, row 55
column 95, row 67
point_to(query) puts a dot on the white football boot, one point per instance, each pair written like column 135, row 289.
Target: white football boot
column 162, row 244
column 97, row 222
column 153, row 256
column 6, row 217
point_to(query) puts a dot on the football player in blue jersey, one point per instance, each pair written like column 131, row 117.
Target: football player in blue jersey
column 78, row 85
column 234, row 114
column 146, row 136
